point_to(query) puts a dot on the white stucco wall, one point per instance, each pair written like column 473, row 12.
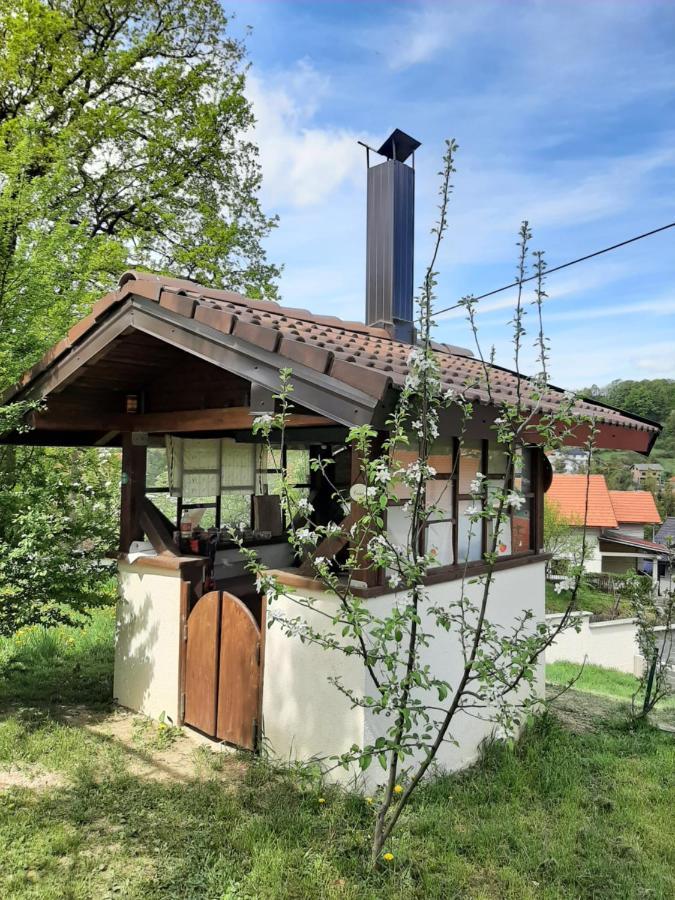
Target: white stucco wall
column 306, row 716
column 148, row 640
column 611, row 644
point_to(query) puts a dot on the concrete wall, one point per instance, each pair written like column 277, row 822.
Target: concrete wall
column 305, row 715
column 610, row 644
column 148, row 640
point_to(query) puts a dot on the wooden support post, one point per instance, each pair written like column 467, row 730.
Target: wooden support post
column 133, row 492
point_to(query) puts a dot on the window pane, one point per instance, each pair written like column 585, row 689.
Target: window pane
column 398, row 525
column 522, row 471
column 469, row 535
column 441, row 456
column 439, row 542
column 497, row 458
column 521, row 529
column 494, row 487
column 439, row 495
column 469, row 464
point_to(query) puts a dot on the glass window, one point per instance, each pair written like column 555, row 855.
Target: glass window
column 497, row 459
column 469, row 535
column 470, row 454
column 439, row 496
column 522, row 471
column 398, row 525
column 521, row 529
column 439, row 542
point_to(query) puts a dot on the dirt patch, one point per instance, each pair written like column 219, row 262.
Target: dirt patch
column 581, row 711
column 33, row 779
column 152, row 751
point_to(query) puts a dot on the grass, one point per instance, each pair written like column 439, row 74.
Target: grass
column 594, row 679
column 65, row 664
column 588, row 599
column 560, row 814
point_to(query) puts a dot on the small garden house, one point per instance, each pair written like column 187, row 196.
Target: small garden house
column 173, row 373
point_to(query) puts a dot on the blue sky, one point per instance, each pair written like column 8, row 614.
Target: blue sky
column 565, row 115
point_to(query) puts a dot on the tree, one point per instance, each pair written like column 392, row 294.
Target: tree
column 416, row 707
column 562, row 538
column 123, row 143
column 654, row 624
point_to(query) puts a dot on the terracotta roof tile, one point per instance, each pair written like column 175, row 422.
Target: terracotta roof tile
column 568, row 493
column 362, row 356
column 637, row 507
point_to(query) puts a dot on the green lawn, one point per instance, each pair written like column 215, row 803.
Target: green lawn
column 565, row 813
column 588, row 600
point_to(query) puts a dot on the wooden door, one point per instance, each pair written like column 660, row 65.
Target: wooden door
column 239, row 681
column 223, row 670
column 201, row 663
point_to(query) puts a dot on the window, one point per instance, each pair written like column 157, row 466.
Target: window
column 450, row 534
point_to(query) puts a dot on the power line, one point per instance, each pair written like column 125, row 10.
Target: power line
column 566, row 265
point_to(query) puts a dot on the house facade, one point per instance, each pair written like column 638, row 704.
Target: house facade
column 615, row 522
column 642, row 473
column 170, row 370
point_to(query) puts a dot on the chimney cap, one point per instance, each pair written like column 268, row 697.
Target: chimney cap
column 399, row 146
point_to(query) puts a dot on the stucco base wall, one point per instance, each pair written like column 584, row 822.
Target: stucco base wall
column 306, row 716
column 148, row 641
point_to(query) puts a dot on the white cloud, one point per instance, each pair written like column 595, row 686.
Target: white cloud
column 302, row 164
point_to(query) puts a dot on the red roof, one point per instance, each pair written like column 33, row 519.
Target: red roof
column 636, row 507
column 568, row 493
column 606, row 509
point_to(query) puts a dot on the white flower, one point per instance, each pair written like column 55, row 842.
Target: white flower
column 515, row 500
column 305, row 536
column 263, row 419
column 305, row 506
column 382, row 474
column 559, row 588
column 319, row 560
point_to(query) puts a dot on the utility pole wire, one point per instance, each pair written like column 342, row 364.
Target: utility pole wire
column 566, row 265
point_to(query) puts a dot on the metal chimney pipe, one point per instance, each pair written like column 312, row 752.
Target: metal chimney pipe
column 390, row 238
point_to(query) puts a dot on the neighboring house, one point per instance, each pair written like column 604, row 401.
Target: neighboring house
column 666, row 533
column 615, row 522
column 168, row 366
column 642, row 471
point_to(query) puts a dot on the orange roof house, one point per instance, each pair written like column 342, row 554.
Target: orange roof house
column 635, row 507
column 606, row 509
column 568, row 493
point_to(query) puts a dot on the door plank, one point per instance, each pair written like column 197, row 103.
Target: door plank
column 240, row 674
column 201, row 663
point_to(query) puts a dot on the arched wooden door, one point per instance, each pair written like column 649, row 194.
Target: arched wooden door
column 223, row 670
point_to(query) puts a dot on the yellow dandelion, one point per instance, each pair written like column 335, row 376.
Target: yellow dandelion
column 322, row 799
column 369, row 799
column 388, row 857
column 398, row 789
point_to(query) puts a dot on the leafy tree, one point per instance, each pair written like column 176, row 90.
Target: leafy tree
column 562, row 538
column 58, row 533
column 122, row 143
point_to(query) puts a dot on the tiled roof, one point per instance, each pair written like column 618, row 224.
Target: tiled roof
column 364, row 357
column 618, row 537
column 568, row 493
column 635, row 506
column 667, row 530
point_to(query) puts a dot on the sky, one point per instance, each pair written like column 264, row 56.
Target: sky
column 564, row 112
